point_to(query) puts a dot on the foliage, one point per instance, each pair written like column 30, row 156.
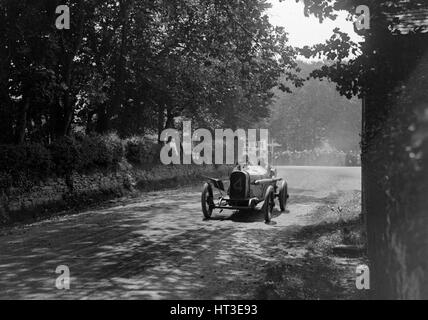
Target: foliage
column 27, row 158
column 141, row 151
column 96, row 151
column 390, row 74
column 136, row 67
column 78, row 153
column 65, row 155
column 315, row 114
column 112, row 151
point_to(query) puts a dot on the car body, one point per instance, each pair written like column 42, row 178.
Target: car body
column 249, row 185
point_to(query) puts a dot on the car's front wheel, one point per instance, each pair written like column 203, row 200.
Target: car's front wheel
column 207, row 201
column 269, row 204
column 283, row 195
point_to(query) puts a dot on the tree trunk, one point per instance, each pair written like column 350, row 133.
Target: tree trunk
column 103, row 119
column 66, row 118
column 22, row 122
column 125, row 7
column 169, row 119
column 67, row 101
column 161, row 120
column 395, row 173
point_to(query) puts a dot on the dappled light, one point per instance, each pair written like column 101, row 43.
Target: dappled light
column 157, row 247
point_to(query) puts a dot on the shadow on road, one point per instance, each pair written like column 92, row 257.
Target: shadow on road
column 157, row 248
column 250, row 216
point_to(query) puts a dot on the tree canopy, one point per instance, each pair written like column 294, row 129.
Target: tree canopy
column 135, row 66
column 315, row 114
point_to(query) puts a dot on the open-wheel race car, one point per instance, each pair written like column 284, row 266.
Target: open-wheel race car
column 249, row 186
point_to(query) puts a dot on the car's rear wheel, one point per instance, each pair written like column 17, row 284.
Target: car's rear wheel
column 283, row 195
column 269, row 204
column 207, row 201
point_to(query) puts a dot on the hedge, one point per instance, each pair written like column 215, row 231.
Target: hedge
column 79, row 153
column 28, row 159
column 139, row 151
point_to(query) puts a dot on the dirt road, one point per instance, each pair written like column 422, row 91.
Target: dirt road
column 158, row 246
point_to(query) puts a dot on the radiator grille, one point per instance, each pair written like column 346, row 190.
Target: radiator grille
column 238, row 185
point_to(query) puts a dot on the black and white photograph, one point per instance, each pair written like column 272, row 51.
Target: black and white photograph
column 213, row 154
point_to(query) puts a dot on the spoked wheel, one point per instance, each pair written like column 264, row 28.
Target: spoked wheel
column 283, row 195
column 269, row 204
column 207, row 201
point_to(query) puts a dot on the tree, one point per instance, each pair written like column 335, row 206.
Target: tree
column 137, row 67
column 314, row 114
column 388, row 75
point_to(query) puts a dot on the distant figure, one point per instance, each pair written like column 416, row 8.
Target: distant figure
column 350, row 159
column 261, row 163
column 237, row 167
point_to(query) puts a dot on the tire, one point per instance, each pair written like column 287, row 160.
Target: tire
column 207, row 201
column 283, row 195
column 268, row 204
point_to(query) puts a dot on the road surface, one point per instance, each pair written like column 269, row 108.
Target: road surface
column 157, row 246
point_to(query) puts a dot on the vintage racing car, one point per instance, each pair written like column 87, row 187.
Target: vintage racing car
column 249, row 185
